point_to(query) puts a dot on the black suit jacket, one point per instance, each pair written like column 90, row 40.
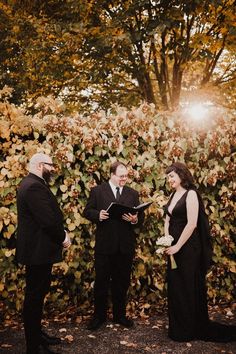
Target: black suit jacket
column 40, row 230
column 112, row 235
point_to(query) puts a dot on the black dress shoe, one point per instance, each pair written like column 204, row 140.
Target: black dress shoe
column 45, row 350
column 41, row 349
column 95, row 323
column 49, row 340
column 124, row 321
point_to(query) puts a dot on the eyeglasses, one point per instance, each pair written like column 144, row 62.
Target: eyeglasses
column 122, row 176
column 48, row 163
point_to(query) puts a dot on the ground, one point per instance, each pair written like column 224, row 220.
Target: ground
column 149, row 335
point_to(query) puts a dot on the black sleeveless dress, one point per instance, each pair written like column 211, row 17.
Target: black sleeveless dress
column 187, row 293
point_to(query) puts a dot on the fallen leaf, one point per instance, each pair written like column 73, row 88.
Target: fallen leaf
column 123, row 342
column 128, row 344
column 69, row 338
column 5, row 345
column 78, row 319
column 157, row 326
column 62, row 330
column 131, row 345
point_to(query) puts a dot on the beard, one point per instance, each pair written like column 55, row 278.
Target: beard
column 47, row 175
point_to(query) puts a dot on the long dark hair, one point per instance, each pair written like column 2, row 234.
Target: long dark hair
column 183, row 173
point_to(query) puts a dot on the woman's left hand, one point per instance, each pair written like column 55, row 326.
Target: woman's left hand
column 172, row 249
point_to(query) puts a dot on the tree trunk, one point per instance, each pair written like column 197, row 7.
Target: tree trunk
column 176, row 85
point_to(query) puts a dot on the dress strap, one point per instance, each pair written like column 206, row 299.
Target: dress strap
column 166, row 211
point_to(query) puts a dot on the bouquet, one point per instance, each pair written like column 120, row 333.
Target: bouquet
column 164, row 242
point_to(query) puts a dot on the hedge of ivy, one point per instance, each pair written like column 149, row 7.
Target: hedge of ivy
column 83, row 148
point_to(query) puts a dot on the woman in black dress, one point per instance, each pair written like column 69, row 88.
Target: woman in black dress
column 187, row 223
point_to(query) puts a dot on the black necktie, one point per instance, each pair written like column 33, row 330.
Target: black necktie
column 117, row 194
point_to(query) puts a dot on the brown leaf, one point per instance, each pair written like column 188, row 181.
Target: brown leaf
column 69, row 338
column 5, row 345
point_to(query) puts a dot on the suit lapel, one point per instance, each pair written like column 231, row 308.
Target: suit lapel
column 124, row 195
column 108, row 192
column 110, row 196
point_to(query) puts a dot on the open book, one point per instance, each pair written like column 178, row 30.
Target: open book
column 116, row 210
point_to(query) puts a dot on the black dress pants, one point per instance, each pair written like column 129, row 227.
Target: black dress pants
column 38, row 279
column 111, row 271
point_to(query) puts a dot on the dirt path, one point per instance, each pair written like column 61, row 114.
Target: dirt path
column 148, row 336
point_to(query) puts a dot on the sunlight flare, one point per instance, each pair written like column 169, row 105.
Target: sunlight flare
column 198, row 111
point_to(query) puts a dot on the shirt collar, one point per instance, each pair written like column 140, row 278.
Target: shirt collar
column 113, row 187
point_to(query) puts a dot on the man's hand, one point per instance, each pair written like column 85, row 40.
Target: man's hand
column 130, row 218
column 103, row 215
column 67, row 242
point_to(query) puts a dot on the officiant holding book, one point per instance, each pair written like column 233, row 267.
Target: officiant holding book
column 114, row 245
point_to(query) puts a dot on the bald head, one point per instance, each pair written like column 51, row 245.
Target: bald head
column 36, row 159
column 36, row 165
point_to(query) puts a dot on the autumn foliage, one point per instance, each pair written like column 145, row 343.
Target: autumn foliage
column 83, row 148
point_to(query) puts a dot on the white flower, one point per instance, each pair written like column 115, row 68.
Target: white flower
column 160, row 250
column 165, row 241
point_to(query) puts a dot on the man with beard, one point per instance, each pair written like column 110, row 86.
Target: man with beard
column 40, row 239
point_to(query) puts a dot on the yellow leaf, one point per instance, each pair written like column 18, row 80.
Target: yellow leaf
column 71, row 226
column 77, row 275
column 63, row 188
column 8, row 253
column 233, row 268
column 11, row 229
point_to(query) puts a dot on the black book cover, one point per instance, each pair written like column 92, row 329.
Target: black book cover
column 116, row 210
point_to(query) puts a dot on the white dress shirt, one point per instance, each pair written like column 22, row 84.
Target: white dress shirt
column 114, row 190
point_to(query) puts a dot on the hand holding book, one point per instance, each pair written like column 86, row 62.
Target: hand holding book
column 133, row 218
column 116, row 210
column 103, row 215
